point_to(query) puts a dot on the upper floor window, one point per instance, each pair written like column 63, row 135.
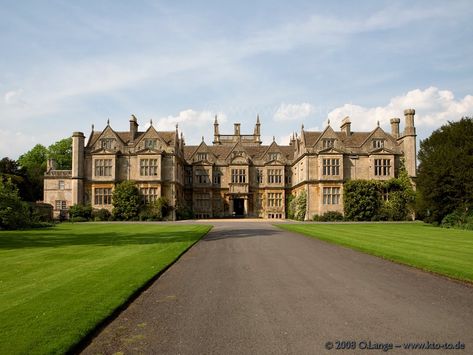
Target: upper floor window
column 273, row 156
column 331, row 167
column 150, row 143
column 201, row 156
column 274, row 176
column 61, row 185
column 217, row 178
column 107, row 143
column 382, row 167
column 148, row 167
column 202, row 176
column 259, row 176
column 103, row 167
column 378, row 143
column 328, row 142
column 331, row 196
column 238, row 176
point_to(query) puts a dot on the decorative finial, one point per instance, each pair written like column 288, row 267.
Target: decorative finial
column 302, row 127
column 216, row 121
column 108, row 121
column 151, row 121
column 328, row 121
column 378, row 123
column 93, row 127
column 257, row 119
column 202, row 139
column 177, row 126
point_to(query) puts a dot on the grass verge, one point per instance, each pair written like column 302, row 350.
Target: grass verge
column 58, row 283
column 444, row 251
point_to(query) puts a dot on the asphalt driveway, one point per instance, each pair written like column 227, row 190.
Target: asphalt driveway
column 251, row 288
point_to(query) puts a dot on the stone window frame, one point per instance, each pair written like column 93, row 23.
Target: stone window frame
column 60, row 205
column 238, row 176
column 102, row 196
column 149, row 194
column 382, row 167
column 275, row 176
column 148, row 167
column 61, row 185
column 103, row 167
column 328, row 142
column 331, row 166
column 331, row 195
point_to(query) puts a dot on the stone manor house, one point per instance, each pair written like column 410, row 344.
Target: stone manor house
column 235, row 175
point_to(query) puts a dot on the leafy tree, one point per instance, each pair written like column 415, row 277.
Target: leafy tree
column 445, row 178
column 361, row 200
column 126, row 201
column 34, row 163
column 14, row 213
column 61, row 151
column 9, row 169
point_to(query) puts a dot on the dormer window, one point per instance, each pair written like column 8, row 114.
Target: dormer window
column 201, row 156
column 150, row 143
column 107, row 143
column 328, row 142
column 378, row 143
column 273, row 156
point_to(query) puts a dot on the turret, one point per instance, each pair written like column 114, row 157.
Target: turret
column 216, row 132
column 236, row 127
column 77, row 167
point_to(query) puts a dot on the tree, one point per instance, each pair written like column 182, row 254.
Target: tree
column 126, row 201
column 361, row 200
column 445, row 177
column 61, row 152
column 34, row 163
column 14, row 213
column 9, row 169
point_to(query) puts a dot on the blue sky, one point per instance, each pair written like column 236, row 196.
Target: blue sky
column 68, row 64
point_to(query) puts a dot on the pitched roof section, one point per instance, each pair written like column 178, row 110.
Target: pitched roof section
column 168, row 137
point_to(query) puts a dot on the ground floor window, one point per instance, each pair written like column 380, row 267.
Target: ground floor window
column 60, row 205
column 103, row 196
column 275, row 215
column 274, row 199
column 149, row 194
column 202, row 201
column 331, row 195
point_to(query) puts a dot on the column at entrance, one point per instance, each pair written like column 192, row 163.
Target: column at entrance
column 245, row 209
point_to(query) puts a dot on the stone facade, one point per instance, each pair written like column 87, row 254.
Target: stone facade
column 236, row 175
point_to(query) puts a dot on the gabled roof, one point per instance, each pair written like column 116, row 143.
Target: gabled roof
column 168, row 137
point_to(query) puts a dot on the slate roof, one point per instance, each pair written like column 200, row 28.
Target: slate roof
column 166, row 136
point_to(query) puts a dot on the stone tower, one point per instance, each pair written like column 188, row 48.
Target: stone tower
column 409, row 143
column 77, row 175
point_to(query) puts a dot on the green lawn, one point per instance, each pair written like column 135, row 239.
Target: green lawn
column 56, row 284
column 443, row 251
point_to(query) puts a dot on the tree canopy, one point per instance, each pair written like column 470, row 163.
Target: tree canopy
column 445, row 176
column 126, row 201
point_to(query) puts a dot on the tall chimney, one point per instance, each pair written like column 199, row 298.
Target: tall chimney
column 133, row 128
column 346, row 126
column 395, row 127
column 236, row 129
column 409, row 129
column 216, row 132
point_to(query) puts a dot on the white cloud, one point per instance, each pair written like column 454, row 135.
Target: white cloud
column 433, row 107
column 13, row 97
column 291, row 112
column 190, row 118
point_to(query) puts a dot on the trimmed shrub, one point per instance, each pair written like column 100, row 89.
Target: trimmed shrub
column 82, row 212
column 331, row 216
column 297, row 207
column 101, row 215
column 126, row 201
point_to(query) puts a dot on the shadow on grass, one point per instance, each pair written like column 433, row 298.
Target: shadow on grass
column 55, row 239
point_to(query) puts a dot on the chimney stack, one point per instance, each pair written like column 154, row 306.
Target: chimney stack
column 346, row 126
column 237, row 129
column 395, row 127
column 409, row 129
column 133, row 128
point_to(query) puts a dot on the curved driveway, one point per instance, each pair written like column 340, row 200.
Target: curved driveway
column 251, row 288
